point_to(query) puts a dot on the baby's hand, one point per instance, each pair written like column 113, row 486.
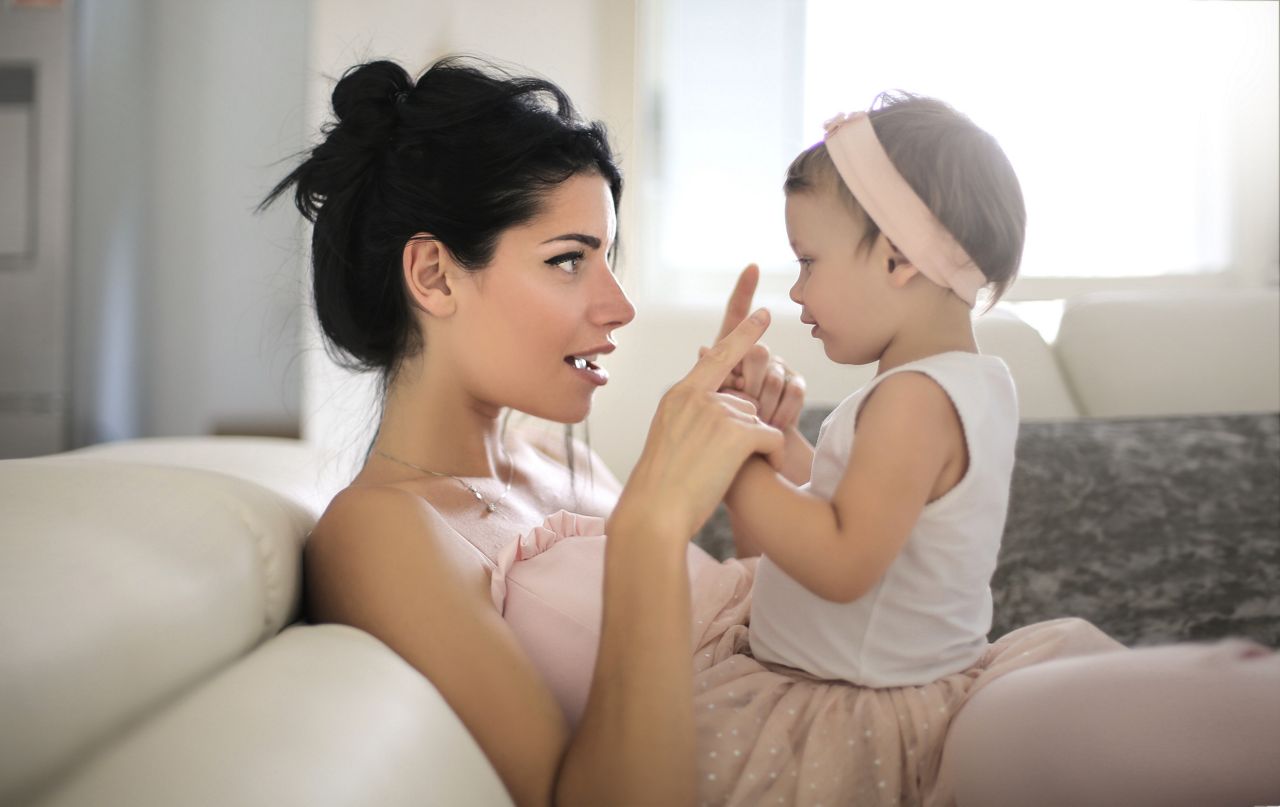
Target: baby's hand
column 765, row 381
column 761, row 378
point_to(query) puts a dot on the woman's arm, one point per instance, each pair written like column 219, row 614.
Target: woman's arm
column 909, row 450
column 635, row 744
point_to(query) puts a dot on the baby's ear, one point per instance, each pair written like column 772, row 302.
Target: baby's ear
column 423, row 264
column 901, row 270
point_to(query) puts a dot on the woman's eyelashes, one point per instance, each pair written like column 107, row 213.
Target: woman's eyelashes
column 568, row 262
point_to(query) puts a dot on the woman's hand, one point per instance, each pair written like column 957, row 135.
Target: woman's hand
column 698, row 440
column 761, row 378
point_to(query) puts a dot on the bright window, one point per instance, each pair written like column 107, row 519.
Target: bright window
column 1128, row 122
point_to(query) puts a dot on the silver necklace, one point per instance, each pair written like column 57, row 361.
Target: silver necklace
column 489, row 505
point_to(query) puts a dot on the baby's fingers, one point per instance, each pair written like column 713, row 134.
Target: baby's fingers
column 768, row 441
column 788, row 412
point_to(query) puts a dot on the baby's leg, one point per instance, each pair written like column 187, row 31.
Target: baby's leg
column 1191, row 724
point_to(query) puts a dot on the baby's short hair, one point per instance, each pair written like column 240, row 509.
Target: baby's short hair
column 957, row 169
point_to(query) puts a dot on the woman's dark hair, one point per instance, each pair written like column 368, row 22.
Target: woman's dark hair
column 956, row 168
column 463, row 153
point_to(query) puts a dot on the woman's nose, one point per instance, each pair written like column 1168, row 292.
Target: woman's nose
column 611, row 305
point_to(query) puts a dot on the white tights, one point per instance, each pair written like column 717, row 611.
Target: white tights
column 1190, row 724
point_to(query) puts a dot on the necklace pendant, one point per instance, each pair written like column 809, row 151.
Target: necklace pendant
column 490, row 506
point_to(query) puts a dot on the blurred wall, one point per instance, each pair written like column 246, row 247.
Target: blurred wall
column 35, row 226
column 185, row 303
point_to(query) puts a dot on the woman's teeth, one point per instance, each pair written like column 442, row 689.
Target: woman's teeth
column 580, row 363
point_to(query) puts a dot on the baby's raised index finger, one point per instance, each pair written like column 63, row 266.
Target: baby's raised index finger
column 715, row 365
column 740, row 298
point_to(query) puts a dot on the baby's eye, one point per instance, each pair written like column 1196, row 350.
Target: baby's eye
column 567, row 262
column 805, row 263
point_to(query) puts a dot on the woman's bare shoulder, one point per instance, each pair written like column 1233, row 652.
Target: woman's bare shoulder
column 364, row 513
column 366, row 532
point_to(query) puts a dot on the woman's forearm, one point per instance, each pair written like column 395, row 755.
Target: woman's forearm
column 635, row 744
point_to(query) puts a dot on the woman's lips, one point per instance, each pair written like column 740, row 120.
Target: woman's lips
column 587, row 370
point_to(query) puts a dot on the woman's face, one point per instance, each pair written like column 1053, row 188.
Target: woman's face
column 532, row 329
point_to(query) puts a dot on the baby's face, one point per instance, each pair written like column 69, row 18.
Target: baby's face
column 842, row 287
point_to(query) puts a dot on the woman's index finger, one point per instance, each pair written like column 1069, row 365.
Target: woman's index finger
column 714, row 366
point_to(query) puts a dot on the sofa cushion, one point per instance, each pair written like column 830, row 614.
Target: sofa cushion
column 1148, row 354
column 1156, row 530
column 293, row 468
column 122, row 585
column 319, row 716
column 1042, row 392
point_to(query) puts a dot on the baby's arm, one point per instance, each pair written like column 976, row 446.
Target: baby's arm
column 909, row 441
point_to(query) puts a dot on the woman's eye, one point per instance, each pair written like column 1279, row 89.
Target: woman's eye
column 567, row 262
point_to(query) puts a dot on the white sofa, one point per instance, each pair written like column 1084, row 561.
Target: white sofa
column 149, row 590
column 144, row 587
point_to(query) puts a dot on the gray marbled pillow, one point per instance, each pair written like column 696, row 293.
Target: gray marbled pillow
column 1155, row 530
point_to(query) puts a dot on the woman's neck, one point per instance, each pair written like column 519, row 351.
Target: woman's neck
column 430, row 421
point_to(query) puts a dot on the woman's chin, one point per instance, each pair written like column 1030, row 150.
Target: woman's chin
column 560, row 412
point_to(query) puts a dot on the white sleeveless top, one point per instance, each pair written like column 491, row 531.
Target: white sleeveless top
column 929, row 614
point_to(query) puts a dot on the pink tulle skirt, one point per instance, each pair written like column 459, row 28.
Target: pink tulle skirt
column 774, row 735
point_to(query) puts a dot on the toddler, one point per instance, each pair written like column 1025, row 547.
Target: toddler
column 875, row 571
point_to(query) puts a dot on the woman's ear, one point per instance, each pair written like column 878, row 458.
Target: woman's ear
column 425, row 281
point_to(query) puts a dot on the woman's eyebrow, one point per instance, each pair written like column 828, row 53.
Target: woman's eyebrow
column 589, row 240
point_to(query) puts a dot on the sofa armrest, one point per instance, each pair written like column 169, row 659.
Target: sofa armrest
column 319, row 716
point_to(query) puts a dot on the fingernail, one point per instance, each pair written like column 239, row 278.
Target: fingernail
column 761, row 316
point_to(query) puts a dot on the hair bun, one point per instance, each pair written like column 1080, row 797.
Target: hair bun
column 365, row 108
column 366, row 95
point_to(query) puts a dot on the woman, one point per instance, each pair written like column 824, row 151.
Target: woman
column 464, row 227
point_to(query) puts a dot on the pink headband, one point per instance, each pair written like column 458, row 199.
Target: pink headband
column 896, row 209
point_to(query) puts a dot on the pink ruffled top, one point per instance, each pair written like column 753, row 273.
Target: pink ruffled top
column 553, row 600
